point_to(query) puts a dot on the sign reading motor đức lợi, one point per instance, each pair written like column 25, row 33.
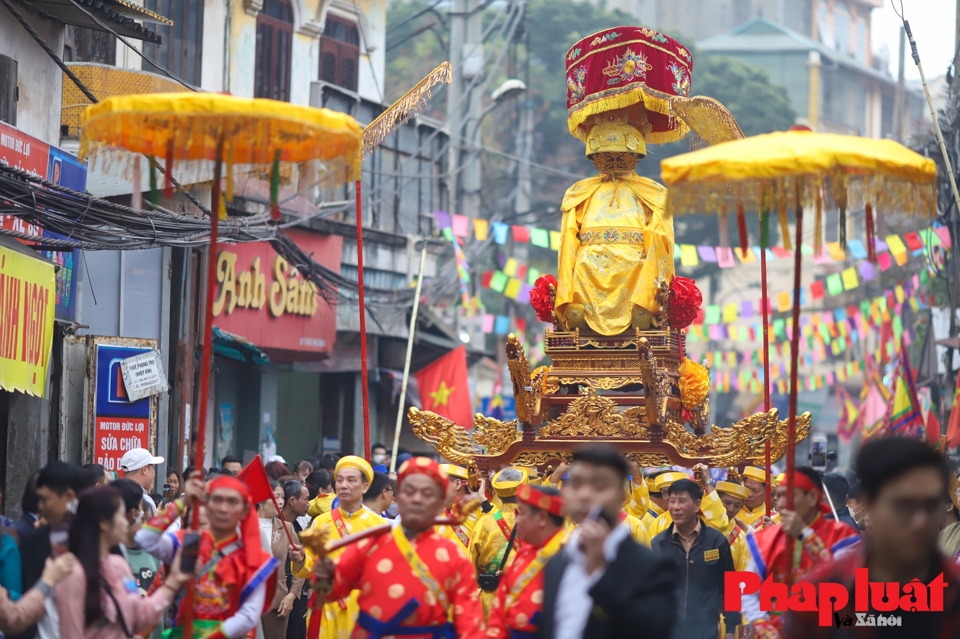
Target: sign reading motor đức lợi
column 119, row 423
column 27, row 299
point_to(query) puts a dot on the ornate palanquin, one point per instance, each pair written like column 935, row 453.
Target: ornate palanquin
column 626, row 87
column 622, row 389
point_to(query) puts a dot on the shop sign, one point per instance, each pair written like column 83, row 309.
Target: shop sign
column 54, row 165
column 26, row 321
column 120, row 422
column 261, row 297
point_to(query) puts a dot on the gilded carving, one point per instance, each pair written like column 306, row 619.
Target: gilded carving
column 589, row 415
column 493, row 434
column 451, row 440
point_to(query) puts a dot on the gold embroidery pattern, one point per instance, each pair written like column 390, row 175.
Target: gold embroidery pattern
column 611, row 235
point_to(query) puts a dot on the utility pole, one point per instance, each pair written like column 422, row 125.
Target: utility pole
column 467, row 59
column 898, row 128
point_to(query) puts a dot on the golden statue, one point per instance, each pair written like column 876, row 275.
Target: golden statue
column 617, row 240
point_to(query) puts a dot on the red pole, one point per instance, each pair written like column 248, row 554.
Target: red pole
column 794, row 357
column 207, row 352
column 363, row 328
column 766, row 348
column 205, row 364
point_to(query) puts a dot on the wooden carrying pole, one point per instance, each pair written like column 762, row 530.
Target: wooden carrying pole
column 406, row 363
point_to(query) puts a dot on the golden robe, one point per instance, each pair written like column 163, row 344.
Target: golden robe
column 617, row 239
column 338, row 621
column 320, row 504
column 755, row 517
column 487, row 547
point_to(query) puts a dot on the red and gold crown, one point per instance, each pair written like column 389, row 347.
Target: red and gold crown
column 536, row 498
column 625, row 67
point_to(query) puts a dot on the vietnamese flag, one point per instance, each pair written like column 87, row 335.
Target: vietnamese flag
column 444, row 389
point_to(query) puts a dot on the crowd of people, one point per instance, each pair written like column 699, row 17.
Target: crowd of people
column 597, row 548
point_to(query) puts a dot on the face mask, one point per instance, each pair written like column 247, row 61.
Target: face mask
column 72, row 506
column 378, row 459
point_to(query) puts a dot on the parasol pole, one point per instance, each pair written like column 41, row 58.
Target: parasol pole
column 794, row 358
column 373, row 134
column 766, row 346
column 205, row 364
column 406, row 363
column 363, row 324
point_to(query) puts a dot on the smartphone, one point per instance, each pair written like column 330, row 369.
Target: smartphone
column 191, row 546
column 597, row 513
column 59, row 540
column 818, row 452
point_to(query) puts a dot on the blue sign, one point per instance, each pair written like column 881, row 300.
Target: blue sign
column 120, row 425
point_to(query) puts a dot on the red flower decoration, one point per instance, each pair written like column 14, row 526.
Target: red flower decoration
column 685, row 301
column 540, row 298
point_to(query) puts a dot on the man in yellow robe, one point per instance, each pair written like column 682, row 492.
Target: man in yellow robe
column 755, row 506
column 352, row 476
column 616, row 235
column 457, row 489
column 488, row 541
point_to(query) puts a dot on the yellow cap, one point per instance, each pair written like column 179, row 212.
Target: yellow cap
column 733, row 488
column 666, row 480
column 756, row 474
column 352, row 461
column 506, row 482
column 455, row 472
column 780, row 479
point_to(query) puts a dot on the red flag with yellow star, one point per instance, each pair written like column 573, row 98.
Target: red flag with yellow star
column 444, row 389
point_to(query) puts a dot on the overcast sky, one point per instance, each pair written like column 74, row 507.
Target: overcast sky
column 932, row 23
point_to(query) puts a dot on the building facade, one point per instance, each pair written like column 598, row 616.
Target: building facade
column 286, row 378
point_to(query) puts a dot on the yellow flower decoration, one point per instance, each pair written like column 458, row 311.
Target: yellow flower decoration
column 694, row 383
column 533, row 376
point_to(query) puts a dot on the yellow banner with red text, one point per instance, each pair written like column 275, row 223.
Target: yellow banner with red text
column 27, row 301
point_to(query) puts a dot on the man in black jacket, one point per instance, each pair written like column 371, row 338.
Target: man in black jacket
column 837, row 485
column 604, row 584
column 702, row 555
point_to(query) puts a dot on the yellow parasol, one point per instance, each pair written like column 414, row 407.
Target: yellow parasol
column 255, row 134
column 186, row 129
column 802, row 169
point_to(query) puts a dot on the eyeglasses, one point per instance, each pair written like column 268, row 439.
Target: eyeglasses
column 907, row 508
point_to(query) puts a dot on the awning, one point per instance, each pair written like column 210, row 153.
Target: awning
column 120, row 15
column 238, row 348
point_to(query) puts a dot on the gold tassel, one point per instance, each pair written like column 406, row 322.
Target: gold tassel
column 229, row 190
column 818, row 220
column 784, row 224
column 400, row 111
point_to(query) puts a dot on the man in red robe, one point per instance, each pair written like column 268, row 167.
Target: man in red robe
column 817, row 540
column 236, row 577
column 519, row 599
column 413, row 582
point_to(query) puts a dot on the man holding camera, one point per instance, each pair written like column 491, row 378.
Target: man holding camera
column 490, row 545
